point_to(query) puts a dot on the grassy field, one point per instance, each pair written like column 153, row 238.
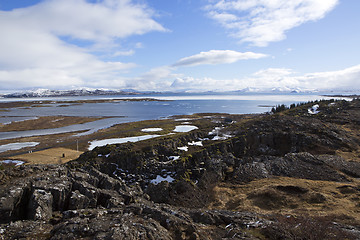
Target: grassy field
column 46, row 123
column 291, row 196
column 49, row 156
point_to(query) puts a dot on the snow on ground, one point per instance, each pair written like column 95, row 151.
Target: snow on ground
column 56, row 120
column 151, row 129
column 16, row 162
column 314, row 109
column 174, row 158
column 186, row 148
column 185, row 128
column 193, row 143
column 17, row 146
column 223, row 137
column 10, row 120
column 104, row 142
column 183, row 119
column 219, row 136
column 215, row 131
column 159, row 179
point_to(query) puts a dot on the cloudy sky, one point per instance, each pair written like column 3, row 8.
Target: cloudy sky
column 177, row 45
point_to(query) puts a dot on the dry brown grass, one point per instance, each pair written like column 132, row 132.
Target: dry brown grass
column 350, row 156
column 49, row 156
column 45, row 123
column 320, row 198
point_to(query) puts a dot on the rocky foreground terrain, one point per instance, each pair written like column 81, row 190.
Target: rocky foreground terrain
column 289, row 175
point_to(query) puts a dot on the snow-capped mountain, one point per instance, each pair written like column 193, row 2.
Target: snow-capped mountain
column 74, row 92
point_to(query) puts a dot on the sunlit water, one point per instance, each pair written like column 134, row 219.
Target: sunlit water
column 129, row 111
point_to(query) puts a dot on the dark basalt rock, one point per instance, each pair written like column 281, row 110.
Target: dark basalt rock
column 40, row 205
column 297, row 165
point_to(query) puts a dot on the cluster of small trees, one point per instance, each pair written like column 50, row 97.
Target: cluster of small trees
column 283, row 107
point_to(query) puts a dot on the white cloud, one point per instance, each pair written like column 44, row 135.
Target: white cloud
column 276, row 78
column 163, row 72
column 100, row 21
column 217, row 57
column 124, row 53
column 206, row 84
column 263, row 21
column 50, row 44
column 346, row 79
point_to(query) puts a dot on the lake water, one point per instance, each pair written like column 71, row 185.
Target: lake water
column 129, row 111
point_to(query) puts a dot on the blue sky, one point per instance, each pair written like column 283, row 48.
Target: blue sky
column 180, row 45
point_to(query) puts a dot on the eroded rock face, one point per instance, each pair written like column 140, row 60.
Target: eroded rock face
column 105, row 210
column 297, row 165
column 14, row 200
column 40, row 205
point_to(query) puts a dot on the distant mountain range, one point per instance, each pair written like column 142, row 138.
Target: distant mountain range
column 99, row 92
column 74, row 92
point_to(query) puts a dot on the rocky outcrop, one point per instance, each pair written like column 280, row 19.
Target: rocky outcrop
column 89, row 204
column 296, row 165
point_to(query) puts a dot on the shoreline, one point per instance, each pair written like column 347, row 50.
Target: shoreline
column 38, row 103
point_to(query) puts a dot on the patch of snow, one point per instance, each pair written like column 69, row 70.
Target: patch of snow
column 56, row 120
column 223, row 137
column 16, row 162
column 17, row 146
column 218, row 135
column 174, row 158
column 159, row 179
column 215, row 131
column 186, row 148
column 193, row 143
column 104, row 142
column 204, row 139
column 185, row 123
column 107, row 155
column 183, row 119
column 185, row 128
column 314, row 109
column 21, row 119
column 151, row 129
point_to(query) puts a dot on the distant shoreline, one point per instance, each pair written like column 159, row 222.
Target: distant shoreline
column 341, row 95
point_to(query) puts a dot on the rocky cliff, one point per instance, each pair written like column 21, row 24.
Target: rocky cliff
column 293, row 174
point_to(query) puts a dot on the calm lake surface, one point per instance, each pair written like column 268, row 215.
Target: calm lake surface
column 129, row 111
